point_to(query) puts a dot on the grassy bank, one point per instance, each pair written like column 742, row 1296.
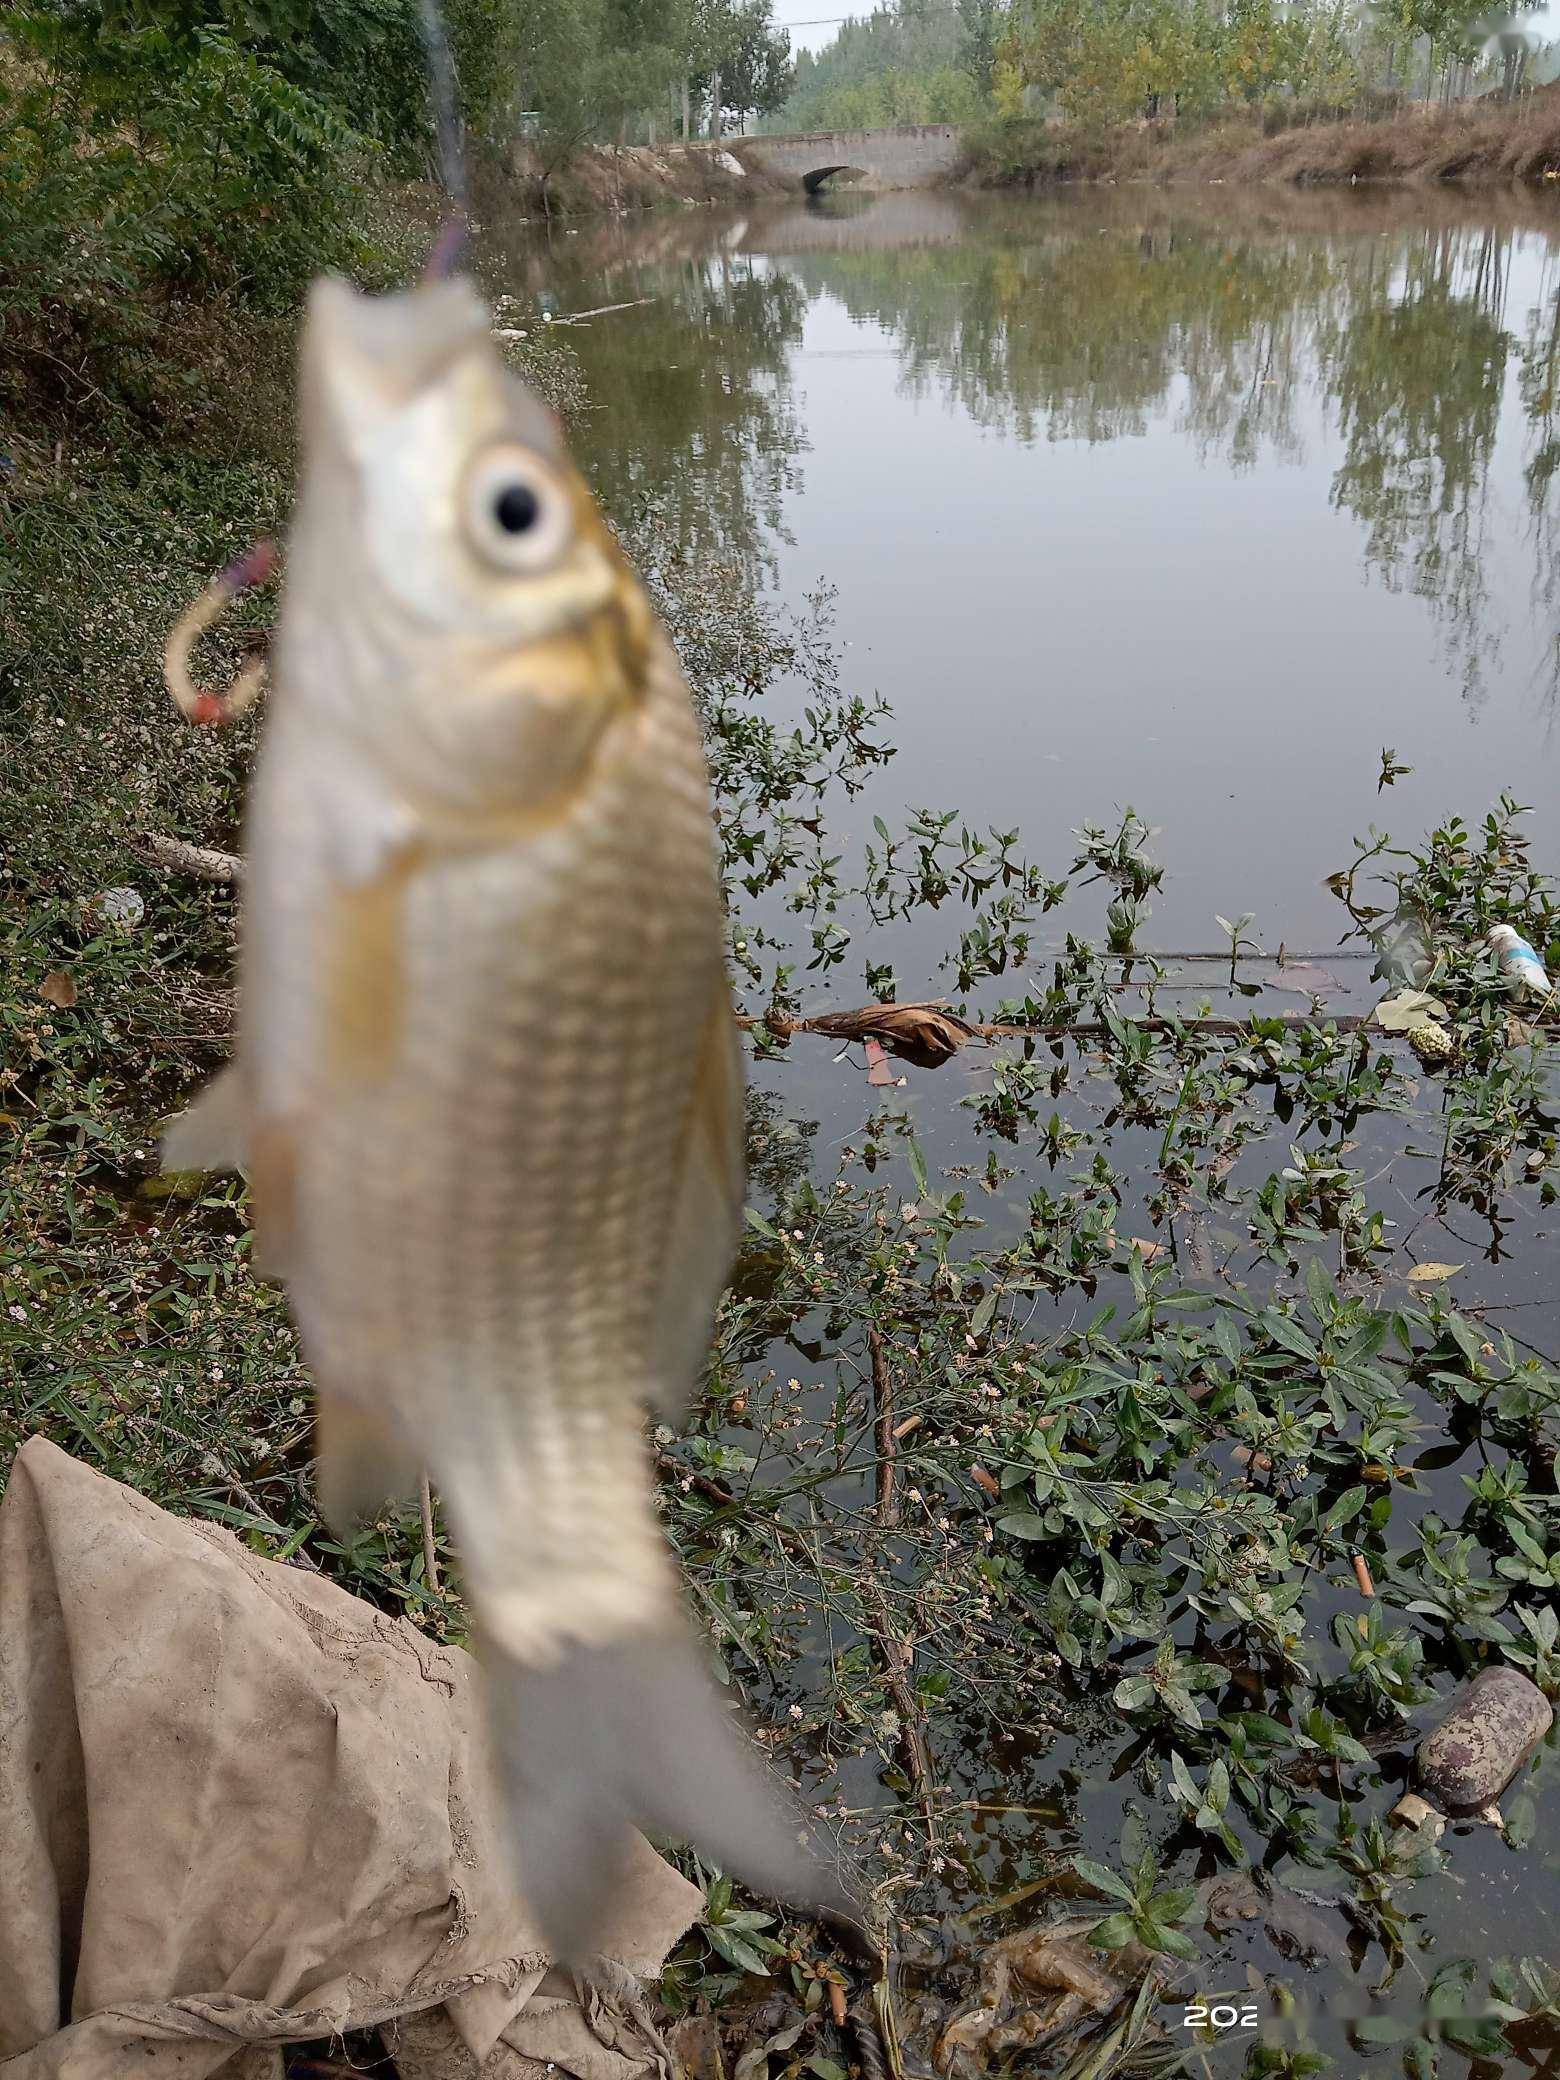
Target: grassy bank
column 1482, row 144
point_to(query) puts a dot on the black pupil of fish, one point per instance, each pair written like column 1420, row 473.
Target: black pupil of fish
column 517, row 508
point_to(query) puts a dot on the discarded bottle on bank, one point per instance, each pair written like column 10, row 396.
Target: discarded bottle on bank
column 1521, row 966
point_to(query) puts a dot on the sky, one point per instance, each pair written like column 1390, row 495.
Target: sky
column 813, row 36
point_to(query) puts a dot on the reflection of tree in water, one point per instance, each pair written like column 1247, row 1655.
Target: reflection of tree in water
column 694, row 411
column 1228, row 318
column 1068, row 337
column 1418, row 372
column 1539, row 380
column 1091, row 332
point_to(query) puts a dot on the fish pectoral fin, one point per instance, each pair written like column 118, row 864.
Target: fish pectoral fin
column 363, row 1463
column 706, row 1210
column 212, row 1133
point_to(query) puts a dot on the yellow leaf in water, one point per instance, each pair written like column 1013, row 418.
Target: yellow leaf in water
column 1432, row 1274
column 58, row 989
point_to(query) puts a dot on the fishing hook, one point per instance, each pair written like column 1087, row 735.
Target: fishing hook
column 253, row 568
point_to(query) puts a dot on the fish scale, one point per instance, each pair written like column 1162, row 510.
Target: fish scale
column 487, row 1086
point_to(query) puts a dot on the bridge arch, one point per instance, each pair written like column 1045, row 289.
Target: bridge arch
column 813, row 181
column 918, row 156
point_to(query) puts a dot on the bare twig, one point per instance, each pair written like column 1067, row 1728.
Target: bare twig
column 430, row 1551
column 898, row 1658
column 883, row 1410
column 602, row 310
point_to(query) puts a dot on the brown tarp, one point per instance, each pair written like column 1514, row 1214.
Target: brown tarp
column 240, row 1808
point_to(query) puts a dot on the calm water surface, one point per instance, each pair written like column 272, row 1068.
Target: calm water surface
column 1178, row 500
column 1190, row 501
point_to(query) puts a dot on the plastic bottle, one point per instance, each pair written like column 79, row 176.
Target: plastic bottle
column 1521, row 966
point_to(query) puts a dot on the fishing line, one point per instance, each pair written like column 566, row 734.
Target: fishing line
column 444, row 103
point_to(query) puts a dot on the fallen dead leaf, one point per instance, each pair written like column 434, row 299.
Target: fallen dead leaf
column 1406, row 1009
column 921, row 1033
column 694, row 2042
column 1432, row 1274
column 57, row 988
column 987, row 1481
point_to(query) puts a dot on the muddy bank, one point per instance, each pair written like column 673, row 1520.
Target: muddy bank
column 1473, row 144
column 613, row 179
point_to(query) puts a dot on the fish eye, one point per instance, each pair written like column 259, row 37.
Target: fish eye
column 516, row 512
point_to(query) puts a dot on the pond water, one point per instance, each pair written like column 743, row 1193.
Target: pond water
column 1197, row 502
column 1128, row 496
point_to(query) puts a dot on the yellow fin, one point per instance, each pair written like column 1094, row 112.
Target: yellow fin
column 366, row 983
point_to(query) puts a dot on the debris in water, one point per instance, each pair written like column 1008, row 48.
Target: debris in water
column 122, row 906
column 1432, row 1043
column 1294, row 1923
column 1304, row 979
column 1468, row 1760
column 1519, row 963
column 1406, row 1010
column 1069, row 1984
column 922, row 1033
column 1413, row 1811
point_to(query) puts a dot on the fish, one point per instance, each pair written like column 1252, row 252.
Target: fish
column 487, row 1086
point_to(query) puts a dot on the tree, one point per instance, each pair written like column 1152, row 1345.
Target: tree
column 756, row 72
column 983, row 24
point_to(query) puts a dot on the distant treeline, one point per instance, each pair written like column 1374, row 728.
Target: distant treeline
column 1099, row 63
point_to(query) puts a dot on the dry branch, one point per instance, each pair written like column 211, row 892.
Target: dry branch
column 201, row 862
column 430, row 1550
column 898, row 1659
column 887, row 1446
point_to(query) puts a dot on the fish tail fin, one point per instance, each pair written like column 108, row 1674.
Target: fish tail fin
column 630, row 1732
column 212, row 1131
column 362, row 1463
